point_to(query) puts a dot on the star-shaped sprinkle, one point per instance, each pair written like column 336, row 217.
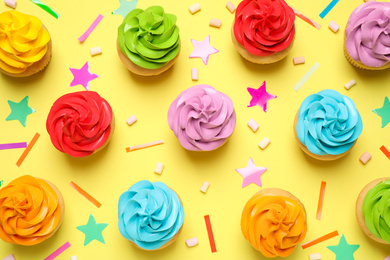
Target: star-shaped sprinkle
column 251, row 174
column 260, row 97
column 384, row 112
column 92, row 230
column 82, row 76
column 343, row 250
column 125, row 7
column 203, row 49
column 20, row 111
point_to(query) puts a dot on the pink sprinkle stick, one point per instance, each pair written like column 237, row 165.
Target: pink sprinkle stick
column 91, row 28
column 58, row 251
column 307, row 19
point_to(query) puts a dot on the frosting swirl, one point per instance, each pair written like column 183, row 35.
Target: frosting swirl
column 376, row 210
column 150, row 214
column 264, row 27
column 273, row 224
column 23, row 41
column 149, row 38
column 328, row 123
column 30, row 211
column 79, row 123
column 367, row 34
column 202, row 118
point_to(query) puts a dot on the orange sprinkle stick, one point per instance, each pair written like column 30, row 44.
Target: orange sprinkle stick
column 385, row 151
column 321, row 200
column 307, row 19
column 28, row 149
column 85, row 194
column 320, row 239
column 210, row 234
column 143, row 146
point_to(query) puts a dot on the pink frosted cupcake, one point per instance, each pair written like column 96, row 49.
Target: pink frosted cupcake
column 202, row 118
column 367, row 38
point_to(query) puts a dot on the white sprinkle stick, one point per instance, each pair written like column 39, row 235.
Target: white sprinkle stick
column 350, row 84
column 264, row 143
column 194, row 8
column 305, row 77
column 9, row 257
column 159, row 168
column 73, row 257
column 205, row 186
column 192, row 242
column 365, row 157
column 299, row 60
column 194, row 74
column 253, row 125
column 10, row 3
column 131, row 120
column 334, row 26
column 316, row 256
column 215, row 22
column 231, row 7
column 96, row 51
column 142, row 146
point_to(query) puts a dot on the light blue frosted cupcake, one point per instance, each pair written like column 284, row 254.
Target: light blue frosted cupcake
column 327, row 125
column 150, row 215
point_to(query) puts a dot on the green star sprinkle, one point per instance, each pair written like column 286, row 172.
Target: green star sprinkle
column 93, row 230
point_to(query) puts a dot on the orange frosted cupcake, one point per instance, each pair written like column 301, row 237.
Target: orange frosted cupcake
column 31, row 211
column 25, row 44
column 274, row 222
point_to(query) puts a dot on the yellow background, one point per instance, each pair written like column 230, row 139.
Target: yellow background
column 107, row 174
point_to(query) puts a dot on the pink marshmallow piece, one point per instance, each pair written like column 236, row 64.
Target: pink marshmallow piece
column 215, row 23
column 299, row 60
column 10, row 3
column 231, row 7
column 334, row 26
column 9, row 257
column 194, row 74
column 365, row 157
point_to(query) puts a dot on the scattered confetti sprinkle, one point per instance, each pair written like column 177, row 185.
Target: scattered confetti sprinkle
column 90, row 29
column 93, row 230
column 210, row 234
column 321, row 200
column 28, row 149
column 384, row 112
column 58, row 251
column 125, row 7
column 203, row 49
column 13, row 146
column 1, row 182
column 260, row 97
column 385, row 151
column 143, row 146
column 343, row 250
column 251, row 174
column 328, row 8
column 82, row 76
column 85, row 194
column 320, row 239
column 306, row 76
column 46, row 8
column 19, row 111
column 307, row 19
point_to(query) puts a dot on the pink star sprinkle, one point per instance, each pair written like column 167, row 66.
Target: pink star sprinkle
column 251, row 174
column 203, row 49
column 82, row 76
column 260, row 97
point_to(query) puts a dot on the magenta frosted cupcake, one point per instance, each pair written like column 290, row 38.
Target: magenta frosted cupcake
column 367, row 38
column 202, row 118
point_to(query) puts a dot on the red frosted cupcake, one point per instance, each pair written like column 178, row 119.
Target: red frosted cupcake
column 263, row 30
column 80, row 123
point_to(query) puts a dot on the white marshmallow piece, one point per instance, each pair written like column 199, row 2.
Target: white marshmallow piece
column 10, row 3
column 350, row 84
column 73, row 257
column 96, row 51
column 192, row 242
column 231, row 7
column 194, row 74
column 9, row 257
column 253, row 125
column 194, row 8
column 387, row 257
column 205, row 186
column 131, row 120
column 215, row 23
column 299, row 60
column 159, row 168
column 365, row 158
column 334, row 26
column 264, row 143
column 316, row 256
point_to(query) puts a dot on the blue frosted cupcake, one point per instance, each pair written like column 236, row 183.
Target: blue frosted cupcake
column 327, row 125
column 150, row 215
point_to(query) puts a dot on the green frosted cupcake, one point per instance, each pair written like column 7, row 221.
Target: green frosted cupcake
column 148, row 41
